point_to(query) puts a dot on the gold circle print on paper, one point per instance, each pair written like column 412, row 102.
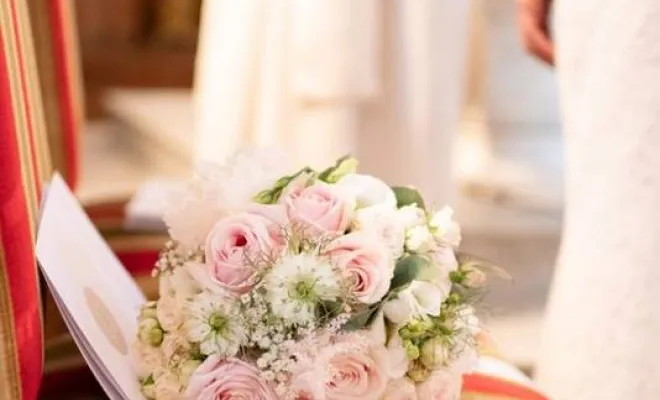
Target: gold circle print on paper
column 106, row 321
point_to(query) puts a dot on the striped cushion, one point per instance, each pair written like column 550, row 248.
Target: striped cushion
column 495, row 379
column 24, row 163
column 58, row 64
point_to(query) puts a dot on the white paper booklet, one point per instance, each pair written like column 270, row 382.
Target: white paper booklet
column 97, row 297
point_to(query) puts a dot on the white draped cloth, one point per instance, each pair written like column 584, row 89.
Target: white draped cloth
column 603, row 323
column 381, row 79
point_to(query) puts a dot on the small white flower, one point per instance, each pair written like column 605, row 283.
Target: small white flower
column 411, row 216
column 175, row 343
column 186, row 369
column 297, row 284
column 419, row 239
column 169, row 313
column 214, row 322
column 168, row 387
column 418, row 300
column 146, row 359
column 444, row 228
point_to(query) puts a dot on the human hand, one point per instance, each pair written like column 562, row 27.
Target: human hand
column 533, row 16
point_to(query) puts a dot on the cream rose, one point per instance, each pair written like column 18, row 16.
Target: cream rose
column 235, row 241
column 400, row 389
column 319, row 208
column 358, row 375
column 366, row 262
column 231, row 378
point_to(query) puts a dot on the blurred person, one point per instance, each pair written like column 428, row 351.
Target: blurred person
column 603, row 320
column 380, row 79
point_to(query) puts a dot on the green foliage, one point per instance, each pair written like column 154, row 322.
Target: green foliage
column 272, row 195
column 406, row 196
column 406, row 270
column 362, row 319
column 344, row 166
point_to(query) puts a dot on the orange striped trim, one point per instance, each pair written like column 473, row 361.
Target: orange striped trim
column 477, row 396
column 33, row 94
column 29, row 99
column 59, row 72
column 485, row 385
column 21, row 357
column 17, row 99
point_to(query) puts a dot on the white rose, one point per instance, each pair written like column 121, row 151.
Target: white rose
column 400, row 389
column 367, row 191
column 384, row 222
column 411, row 216
column 444, row 228
column 419, row 239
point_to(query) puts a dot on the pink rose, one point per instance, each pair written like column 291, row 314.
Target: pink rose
column 235, row 242
column 441, row 385
column 319, row 208
column 225, row 379
column 358, row 375
column 366, row 262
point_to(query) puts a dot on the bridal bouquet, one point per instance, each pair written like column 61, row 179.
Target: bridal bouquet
column 324, row 285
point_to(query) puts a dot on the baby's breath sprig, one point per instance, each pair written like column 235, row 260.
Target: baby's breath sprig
column 174, row 255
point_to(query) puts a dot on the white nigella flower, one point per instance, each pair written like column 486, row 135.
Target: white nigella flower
column 297, row 284
column 213, row 322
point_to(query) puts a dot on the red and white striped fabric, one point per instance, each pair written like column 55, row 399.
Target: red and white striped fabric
column 24, row 163
column 495, row 379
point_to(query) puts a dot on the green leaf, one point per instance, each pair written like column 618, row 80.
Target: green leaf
column 331, row 308
column 344, row 166
column 360, row 320
column 407, row 269
column 264, row 197
column 406, row 196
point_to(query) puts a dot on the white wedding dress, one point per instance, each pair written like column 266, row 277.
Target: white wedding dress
column 379, row 79
column 602, row 338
